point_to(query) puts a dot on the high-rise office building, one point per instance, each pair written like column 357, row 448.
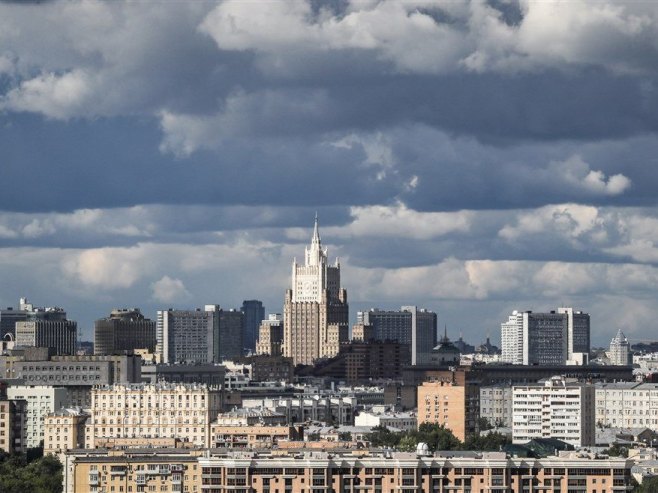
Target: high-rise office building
column 254, row 313
column 48, row 328
column 199, row 336
column 55, row 335
column 231, row 332
column 409, row 325
column 188, row 336
column 124, row 330
column 620, row 350
column 553, row 338
column 315, row 311
column 577, row 332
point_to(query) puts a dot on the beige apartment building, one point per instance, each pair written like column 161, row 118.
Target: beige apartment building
column 131, row 471
column 161, row 410
column 270, row 336
column 251, row 429
column 64, row 430
column 312, row 471
column 452, row 405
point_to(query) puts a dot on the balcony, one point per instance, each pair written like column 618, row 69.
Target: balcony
column 93, row 480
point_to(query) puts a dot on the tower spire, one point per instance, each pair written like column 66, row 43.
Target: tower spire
column 316, row 232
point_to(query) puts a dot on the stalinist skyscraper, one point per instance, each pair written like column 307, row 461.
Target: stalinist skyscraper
column 315, row 311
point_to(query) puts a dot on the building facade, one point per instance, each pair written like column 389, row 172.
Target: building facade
column 315, row 312
column 556, row 409
column 64, row 430
column 77, row 374
column 553, row 338
column 13, row 416
column 627, row 405
column 315, row 471
column 124, row 330
column 620, row 350
column 270, row 336
column 188, row 336
column 231, row 334
column 451, row 404
column 41, row 401
column 254, row 313
column 410, row 325
column 164, row 410
column 496, row 404
column 54, row 332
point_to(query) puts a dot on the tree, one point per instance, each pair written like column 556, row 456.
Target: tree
column 649, row 485
column 345, row 436
column 489, row 442
column 43, row 475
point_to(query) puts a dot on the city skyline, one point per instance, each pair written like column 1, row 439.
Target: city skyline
column 471, row 158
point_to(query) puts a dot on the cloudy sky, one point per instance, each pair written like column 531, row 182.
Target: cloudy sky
column 473, row 157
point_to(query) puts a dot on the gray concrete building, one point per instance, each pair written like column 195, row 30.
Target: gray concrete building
column 409, row 325
column 124, row 330
column 209, row 374
column 77, row 374
column 188, row 336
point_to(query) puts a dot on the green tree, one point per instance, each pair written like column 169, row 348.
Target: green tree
column 649, row 485
column 345, row 436
column 489, row 442
column 42, row 475
column 407, row 444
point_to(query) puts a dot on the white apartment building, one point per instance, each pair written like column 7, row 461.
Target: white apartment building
column 511, row 336
column 496, row 404
column 627, row 405
column 41, row 401
column 143, row 411
column 557, row 409
column 400, row 421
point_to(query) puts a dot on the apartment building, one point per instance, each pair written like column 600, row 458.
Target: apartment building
column 558, row 408
column 315, row 471
column 496, row 404
column 63, row 430
column 137, row 470
column 13, row 414
column 453, row 405
column 627, row 405
column 164, row 410
column 41, row 400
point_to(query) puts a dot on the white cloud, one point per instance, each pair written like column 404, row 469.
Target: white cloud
column 400, row 221
column 577, row 173
column 55, row 96
column 394, row 31
column 109, row 268
column 168, row 290
column 569, row 221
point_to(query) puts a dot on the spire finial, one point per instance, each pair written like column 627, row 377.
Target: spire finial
column 316, row 232
column 445, row 332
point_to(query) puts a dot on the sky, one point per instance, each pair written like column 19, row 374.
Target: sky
column 470, row 157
